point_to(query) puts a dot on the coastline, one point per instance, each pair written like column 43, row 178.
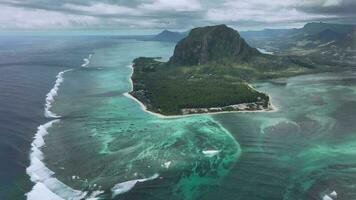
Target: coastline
column 271, row 107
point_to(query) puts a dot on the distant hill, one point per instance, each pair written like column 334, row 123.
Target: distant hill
column 312, row 28
column 324, row 43
column 349, row 41
column 266, row 33
column 169, row 36
column 318, row 27
column 327, row 35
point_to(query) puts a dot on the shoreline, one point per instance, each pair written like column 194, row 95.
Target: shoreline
column 271, row 108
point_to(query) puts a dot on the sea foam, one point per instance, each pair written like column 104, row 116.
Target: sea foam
column 87, row 60
column 52, row 94
column 211, row 153
column 46, row 186
column 128, row 185
column 40, row 191
column 331, row 196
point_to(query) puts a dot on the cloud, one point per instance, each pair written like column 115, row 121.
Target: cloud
column 22, row 18
column 160, row 14
column 29, row 18
column 342, row 8
column 332, row 3
column 261, row 11
column 176, row 5
column 102, row 9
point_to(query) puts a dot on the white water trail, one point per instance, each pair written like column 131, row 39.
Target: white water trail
column 211, row 153
column 87, row 60
column 264, row 51
column 47, row 187
column 123, row 187
column 52, row 94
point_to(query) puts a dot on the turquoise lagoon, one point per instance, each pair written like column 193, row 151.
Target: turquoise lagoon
column 106, row 147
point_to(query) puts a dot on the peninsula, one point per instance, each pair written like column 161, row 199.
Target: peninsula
column 209, row 72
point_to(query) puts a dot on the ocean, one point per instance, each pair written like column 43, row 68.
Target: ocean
column 69, row 132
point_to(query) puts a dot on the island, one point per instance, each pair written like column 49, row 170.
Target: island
column 209, row 72
column 169, row 36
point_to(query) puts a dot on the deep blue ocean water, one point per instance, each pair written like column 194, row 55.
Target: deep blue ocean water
column 28, row 69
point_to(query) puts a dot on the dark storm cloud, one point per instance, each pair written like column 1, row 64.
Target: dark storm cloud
column 180, row 14
column 331, row 7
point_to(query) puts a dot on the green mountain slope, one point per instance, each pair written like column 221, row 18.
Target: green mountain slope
column 323, row 43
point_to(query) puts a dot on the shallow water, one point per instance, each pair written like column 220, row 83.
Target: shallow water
column 303, row 151
column 298, row 152
column 105, row 146
column 105, row 139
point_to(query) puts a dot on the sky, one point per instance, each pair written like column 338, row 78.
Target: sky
column 170, row 14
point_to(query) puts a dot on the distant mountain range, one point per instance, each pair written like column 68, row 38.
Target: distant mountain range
column 315, row 33
column 315, row 28
column 324, row 43
column 308, row 29
column 326, row 36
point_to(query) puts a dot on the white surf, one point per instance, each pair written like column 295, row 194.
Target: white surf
column 87, row 60
column 46, row 186
column 126, row 186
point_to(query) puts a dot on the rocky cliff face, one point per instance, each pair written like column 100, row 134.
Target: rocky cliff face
column 212, row 44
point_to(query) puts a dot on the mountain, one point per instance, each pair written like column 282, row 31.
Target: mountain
column 208, row 72
column 169, row 36
column 211, row 44
column 266, row 33
column 327, row 35
column 348, row 42
column 318, row 27
column 311, row 31
column 323, row 43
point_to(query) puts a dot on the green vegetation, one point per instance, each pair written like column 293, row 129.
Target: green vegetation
column 331, row 46
column 168, row 89
column 209, row 69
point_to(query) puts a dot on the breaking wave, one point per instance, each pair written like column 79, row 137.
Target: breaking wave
column 46, row 186
column 52, row 94
column 87, row 60
column 128, row 185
